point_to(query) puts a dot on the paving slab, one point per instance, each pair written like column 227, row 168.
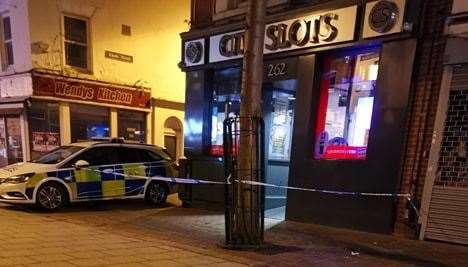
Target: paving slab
column 129, row 233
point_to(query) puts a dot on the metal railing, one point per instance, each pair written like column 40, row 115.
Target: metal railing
column 245, row 203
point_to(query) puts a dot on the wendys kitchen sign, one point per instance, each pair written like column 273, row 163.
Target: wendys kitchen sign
column 317, row 29
column 89, row 92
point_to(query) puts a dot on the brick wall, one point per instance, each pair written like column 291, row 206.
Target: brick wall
column 427, row 79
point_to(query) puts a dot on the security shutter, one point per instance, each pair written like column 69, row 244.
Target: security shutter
column 448, row 209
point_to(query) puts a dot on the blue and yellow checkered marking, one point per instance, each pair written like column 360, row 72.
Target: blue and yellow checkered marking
column 103, row 182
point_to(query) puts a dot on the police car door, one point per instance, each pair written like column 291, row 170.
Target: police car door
column 99, row 180
column 134, row 166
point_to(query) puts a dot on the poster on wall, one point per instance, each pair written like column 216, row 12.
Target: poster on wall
column 45, row 141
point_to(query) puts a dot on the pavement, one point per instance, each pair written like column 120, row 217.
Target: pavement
column 130, row 233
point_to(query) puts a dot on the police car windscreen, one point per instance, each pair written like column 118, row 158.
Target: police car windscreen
column 57, row 155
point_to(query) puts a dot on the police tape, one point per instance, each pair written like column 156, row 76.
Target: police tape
column 332, row 192
column 241, row 181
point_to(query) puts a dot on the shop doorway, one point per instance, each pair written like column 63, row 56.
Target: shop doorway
column 173, row 137
column 11, row 145
column 278, row 113
column 170, row 142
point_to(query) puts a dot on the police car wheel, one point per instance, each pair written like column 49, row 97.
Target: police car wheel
column 50, row 197
column 156, row 193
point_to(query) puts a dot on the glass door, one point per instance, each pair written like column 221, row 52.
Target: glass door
column 278, row 113
column 13, row 139
column 3, row 144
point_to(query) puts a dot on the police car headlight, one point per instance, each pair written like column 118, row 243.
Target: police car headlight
column 18, row 179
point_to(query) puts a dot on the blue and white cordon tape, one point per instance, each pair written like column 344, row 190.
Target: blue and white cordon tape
column 200, row 181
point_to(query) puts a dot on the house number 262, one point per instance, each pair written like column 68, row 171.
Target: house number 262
column 275, row 70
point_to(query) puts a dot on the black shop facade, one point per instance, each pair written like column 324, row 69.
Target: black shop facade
column 335, row 96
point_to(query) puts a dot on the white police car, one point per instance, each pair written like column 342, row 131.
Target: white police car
column 90, row 171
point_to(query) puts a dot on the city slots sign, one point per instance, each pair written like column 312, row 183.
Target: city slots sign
column 317, row 29
column 89, row 92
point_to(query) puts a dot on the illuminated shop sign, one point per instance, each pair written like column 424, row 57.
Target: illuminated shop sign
column 324, row 28
column 384, row 17
column 194, row 52
column 90, row 92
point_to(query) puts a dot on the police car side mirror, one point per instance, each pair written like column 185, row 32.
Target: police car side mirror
column 81, row 164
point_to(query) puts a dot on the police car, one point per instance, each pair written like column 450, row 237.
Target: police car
column 95, row 170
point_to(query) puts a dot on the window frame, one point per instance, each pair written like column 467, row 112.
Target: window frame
column 4, row 55
column 89, row 61
column 238, row 7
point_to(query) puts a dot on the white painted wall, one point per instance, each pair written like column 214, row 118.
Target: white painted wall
column 16, row 85
column 18, row 12
column 12, row 80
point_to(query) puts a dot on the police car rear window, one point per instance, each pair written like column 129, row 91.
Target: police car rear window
column 134, row 155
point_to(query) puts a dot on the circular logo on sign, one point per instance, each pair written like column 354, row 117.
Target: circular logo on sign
column 194, row 52
column 383, row 16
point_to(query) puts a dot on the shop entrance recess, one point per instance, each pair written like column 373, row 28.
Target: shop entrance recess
column 279, row 95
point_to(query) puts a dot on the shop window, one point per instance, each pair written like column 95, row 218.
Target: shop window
column 88, row 122
column 225, row 104
column 7, row 42
column 44, row 128
column 346, row 103
column 76, row 42
column 132, row 125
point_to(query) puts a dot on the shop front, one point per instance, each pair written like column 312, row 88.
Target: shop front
column 64, row 110
column 335, row 94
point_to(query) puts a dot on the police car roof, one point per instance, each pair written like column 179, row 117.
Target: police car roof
column 93, row 143
column 85, row 144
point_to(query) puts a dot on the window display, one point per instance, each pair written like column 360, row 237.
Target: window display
column 132, row 125
column 88, row 122
column 345, row 108
column 225, row 104
column 44, row 128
